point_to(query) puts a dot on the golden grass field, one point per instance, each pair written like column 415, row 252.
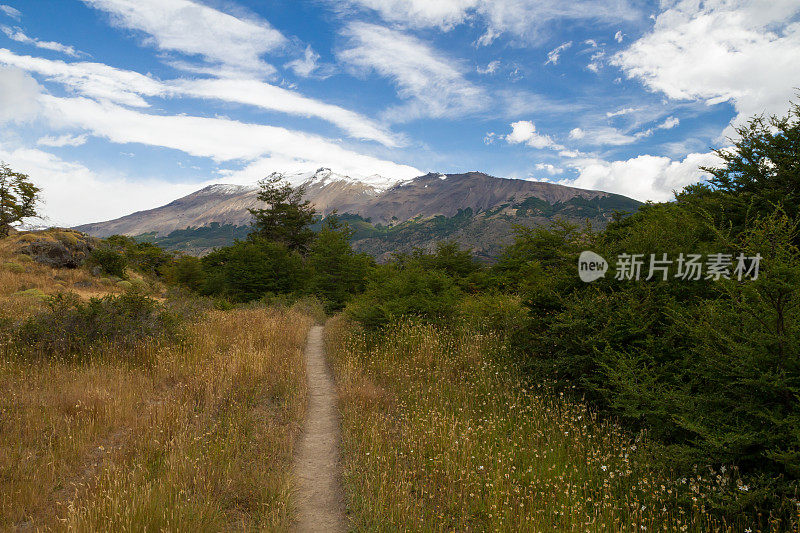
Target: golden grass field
column 440, row 436
column 198, row 438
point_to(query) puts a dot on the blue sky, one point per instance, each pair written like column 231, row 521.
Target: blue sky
column 113, row 106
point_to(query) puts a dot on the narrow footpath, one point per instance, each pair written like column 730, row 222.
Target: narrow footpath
column 320, row 501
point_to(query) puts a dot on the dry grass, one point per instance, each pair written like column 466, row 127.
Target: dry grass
column 199, row 441
column 439, row 436
column 24, row 283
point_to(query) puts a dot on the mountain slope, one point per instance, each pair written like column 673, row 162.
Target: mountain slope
column 475, row 209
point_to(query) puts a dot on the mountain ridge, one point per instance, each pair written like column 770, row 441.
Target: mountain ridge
column 476, row 209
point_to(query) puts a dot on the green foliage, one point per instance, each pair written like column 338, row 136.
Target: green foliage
column 18, row 198
column 410, row 291
column 337, row 271
column 250, row 270
column 111, row 261
column 187, row 271
column 145, row 257
column 71, row 328
column 287, row 217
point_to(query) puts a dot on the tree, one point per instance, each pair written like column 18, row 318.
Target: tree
column 287, row 217
column 762, row 169
column 338, row 273
column 18, row 197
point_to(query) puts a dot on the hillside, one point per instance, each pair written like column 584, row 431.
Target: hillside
column 475, row 209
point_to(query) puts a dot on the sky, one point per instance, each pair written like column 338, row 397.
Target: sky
column 113, row 106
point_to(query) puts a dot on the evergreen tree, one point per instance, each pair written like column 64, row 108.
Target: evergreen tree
column 287, row 217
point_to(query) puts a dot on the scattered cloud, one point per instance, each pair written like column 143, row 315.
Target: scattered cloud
column 194, row 29
column 577, row 133
column 524, row 131
column 619, row 36
column 717, row 51
column 308, row 65
column 63, row 140
column 669, row 123
column 620, row 112
column 10, row 12
column 528, row 21
column 491, row 68
column 16, row 34
column 554, row 54
column 550, row 169
column 433, row 83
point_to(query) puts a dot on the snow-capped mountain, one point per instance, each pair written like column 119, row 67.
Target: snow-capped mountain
column 474, row 209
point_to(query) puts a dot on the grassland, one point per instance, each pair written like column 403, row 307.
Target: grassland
column 440, row 435
column 194, row 435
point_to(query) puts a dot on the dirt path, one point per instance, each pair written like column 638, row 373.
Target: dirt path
column 320, row 503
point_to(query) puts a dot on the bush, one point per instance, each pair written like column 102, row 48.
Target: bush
column 110, row 261
column 72, row 329
column 408, row 292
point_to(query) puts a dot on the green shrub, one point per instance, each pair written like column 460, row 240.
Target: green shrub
column 109, row 260
column 124, row 284
column 16, row 268
column 73, row 329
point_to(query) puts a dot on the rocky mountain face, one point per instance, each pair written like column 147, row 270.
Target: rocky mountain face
column 474, row 209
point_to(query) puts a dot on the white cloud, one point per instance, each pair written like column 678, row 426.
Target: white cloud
column 619, row 36
column 554, row 54
column 11, row 12
column 550, row 169
column 272, row 97
column 442, row 14
column 491, row 68
column 669, row 123
column 63, row 140
column 126, row 87
column 524, row 131
column 645, row 177
column 66, row 186
column 620, row 112
column 602, row 136
column 195, row 29
column 721, row 50
column 307, row 65
column 221, row 140
column 15, row 34
column 433, row 83
column 526, row 20
column 91, row 79
column 19, row 94
column 577, row 133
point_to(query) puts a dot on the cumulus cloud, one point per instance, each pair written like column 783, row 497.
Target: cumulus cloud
column 19, row 95
column 524, row 131
column 491, row 68
column 195, row 29
column 433, row 83
column 550, row 169
column 718, row 50
column 645, row 177
column 16, row 34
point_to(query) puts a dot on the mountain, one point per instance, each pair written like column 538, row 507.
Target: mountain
column 474, row 209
